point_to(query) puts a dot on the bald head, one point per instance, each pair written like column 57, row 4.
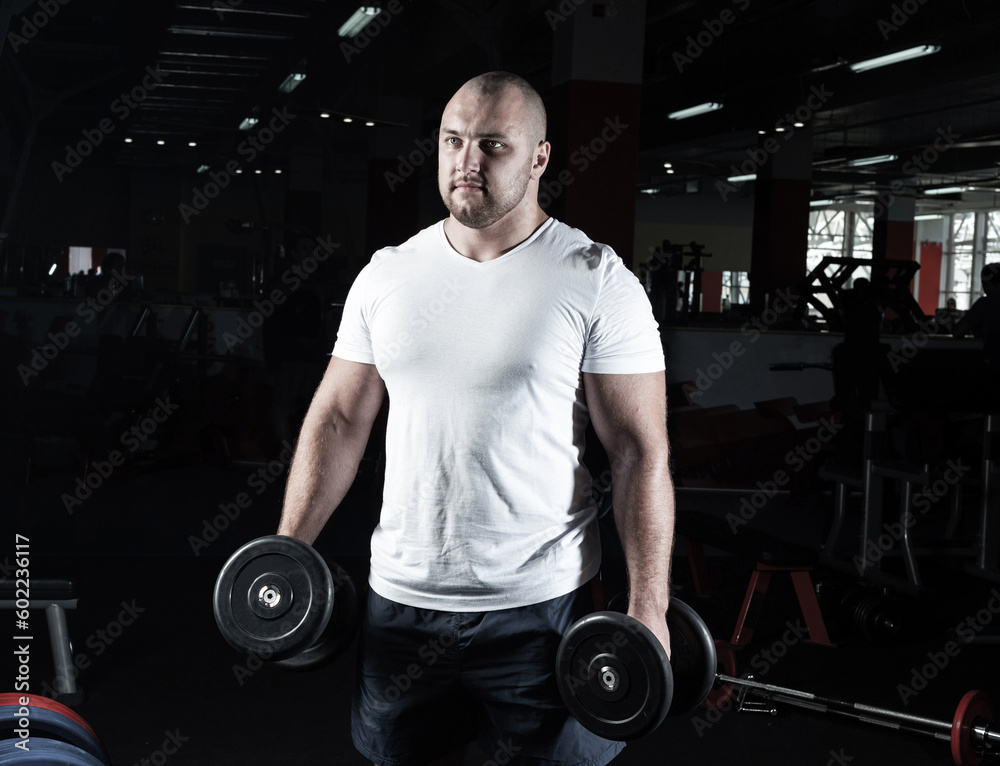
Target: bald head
column 495, row 84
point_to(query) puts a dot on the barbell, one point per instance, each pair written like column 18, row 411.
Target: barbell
column 278, row 598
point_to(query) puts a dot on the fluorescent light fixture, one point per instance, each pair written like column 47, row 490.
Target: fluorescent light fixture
column 894, row 58
column 694, row 111
column 160, row 142
column 325, row 115
column 203, row 168
column 741, row 179
column 821, row 202
column 670, row 171
column 52, row 270
column 946, row 190
column 192, row 143
column 668, row 164
column 277, row 171
column 248, row 123
column 128, row 140
column 877, row 159
column 358, row 21
column 650, row 190
column 935, row 217
column 291, row 82
column 369, row 124
column 348, row 119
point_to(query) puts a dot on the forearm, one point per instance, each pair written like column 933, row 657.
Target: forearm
column 643, row 496
column 326, row 462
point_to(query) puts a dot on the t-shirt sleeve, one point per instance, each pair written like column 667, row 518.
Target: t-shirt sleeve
column 623, row 337
column 354, row 339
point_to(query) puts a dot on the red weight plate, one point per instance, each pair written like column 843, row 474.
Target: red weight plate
column 974, row 706
column 37, row 700
column 726, row 658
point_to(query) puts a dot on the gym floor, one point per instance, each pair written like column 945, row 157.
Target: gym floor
column 161, row 686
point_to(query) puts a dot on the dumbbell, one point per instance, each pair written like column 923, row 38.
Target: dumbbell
column 616, row 679
column 277, row 598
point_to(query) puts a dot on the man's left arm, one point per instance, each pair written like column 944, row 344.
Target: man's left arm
column 629, row 413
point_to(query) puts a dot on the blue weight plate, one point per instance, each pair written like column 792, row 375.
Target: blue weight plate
column 47, row 752
column 52, row 724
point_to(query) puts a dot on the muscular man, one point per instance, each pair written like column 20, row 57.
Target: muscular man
column 496, row 333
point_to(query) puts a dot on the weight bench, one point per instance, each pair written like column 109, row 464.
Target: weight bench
column 770, row 555
column 55, row 596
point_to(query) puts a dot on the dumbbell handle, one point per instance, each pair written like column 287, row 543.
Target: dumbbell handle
column 983, row 735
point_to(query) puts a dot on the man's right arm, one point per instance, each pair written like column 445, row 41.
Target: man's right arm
column 331, row 443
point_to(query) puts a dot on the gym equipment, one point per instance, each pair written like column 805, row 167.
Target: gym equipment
column 972, row 732
column 615, row 677
column 47, row 752
column 277, row 598
column 49, row 721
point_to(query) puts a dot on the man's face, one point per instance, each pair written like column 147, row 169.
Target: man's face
column 487, row 156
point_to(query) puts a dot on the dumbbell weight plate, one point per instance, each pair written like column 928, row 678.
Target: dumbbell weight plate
column 975, row 706
column 614, row 676
column 692, row 657
column 274, row 597
column 339, row 631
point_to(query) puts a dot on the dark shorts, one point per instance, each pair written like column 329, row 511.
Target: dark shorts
column 430, row 682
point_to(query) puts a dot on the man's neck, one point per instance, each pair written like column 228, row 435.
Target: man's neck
column 496, row 239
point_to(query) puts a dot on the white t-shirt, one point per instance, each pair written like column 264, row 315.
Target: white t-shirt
column 486, row 503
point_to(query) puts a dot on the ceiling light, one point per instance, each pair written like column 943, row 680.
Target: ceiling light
column 668, row 164
column 358, row 21
column 741, row 179
column 192, row 143
column 277, row 171
column 650, row 190
column 927, row 217
column 128, row 140
column 821, row 202
column 258, row 171
column 894, row 58
column 325, row 115
column 670, row 171
column 203, row 168
column 52, row 270
column 798, row 124
column 291, row 82
column 348, row 119
column 877, row 159
column 160, row 142
column 370, row 124
column 694, row 111
column 248, row 123
column 946, row 190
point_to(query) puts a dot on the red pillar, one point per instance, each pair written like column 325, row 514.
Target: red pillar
column 594, row 110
